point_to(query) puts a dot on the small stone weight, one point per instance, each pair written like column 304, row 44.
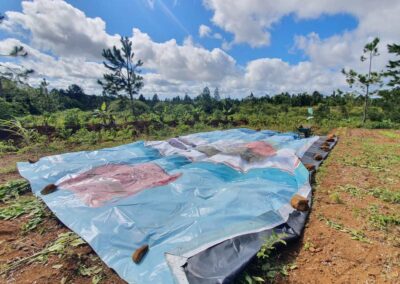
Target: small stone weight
column 330, row 138
column 140, row 253
column 326, row 143
column 318, row 157
column 325, row 148
column 310, row 167
column 32, row 161
column 299, row 203
column 50, row 188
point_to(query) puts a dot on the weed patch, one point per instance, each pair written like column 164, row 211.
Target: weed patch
column 383, row 194
column 386, row 195
column 267, row 263
column 335, row 197
column 357, row 235
column 59, row 247
column 382, row 221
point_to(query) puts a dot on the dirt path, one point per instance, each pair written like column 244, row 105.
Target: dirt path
column 352, row 235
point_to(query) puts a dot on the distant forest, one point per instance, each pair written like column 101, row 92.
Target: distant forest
column 21, row 100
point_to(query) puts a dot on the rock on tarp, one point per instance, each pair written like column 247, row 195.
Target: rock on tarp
column 180, row 196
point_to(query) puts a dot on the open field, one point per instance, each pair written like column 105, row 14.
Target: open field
column 352, row 235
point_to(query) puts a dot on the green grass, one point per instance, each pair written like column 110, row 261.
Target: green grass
column 390, row 134
column 384, row 194
column 352, row 190
column 8, row 169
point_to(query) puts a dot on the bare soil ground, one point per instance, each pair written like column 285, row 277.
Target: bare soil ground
column 352, row 235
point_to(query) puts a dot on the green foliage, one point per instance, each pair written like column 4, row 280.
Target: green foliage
column 16, row 206
column 13, row 189
column 123, row 77
column 393, row 66
column 268, row 266
column 335, row 197
column 269, row 245
column 15, row 128
column 352, row 190
column 59, row 247
column 8, row 110
column 21, row 206
column 71, row 119
column 84, row 136
column 355, row 234
column 6, row 147
column 252, row 279
column 386, row 195
column 363, row 82
column 382, row 221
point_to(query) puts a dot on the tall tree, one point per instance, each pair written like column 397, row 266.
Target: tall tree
column 365, row 81
column 216, row 94
column 13, row 72
column 124, row 78
column 10, row 72
column 43, row 87
column 393, row 68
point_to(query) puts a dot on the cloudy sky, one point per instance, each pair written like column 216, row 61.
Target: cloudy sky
column 259, row 46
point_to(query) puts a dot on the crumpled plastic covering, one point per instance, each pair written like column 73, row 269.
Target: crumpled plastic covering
column 180, row 196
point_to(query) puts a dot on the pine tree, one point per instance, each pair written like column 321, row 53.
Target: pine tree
column 394, row 66
column 216, row 94
column 365, row 81
column 124, row 78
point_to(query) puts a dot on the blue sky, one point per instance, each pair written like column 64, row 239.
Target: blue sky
column 294, row 35
column 122, row 15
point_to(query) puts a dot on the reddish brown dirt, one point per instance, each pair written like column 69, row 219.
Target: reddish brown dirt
column 323, row 255
column 328, row 255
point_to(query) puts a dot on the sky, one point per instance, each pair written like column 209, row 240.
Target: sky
column 259, row 46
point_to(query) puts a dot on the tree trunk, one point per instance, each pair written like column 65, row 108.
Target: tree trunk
column 367, row 92
column 366, row 105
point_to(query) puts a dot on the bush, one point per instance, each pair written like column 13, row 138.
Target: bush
column 83, row 136
column 375, row 114
column 71, row 119
column 6, row 147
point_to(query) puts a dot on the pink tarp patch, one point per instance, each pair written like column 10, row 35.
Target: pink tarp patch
column 112, row 182
column 261, row 148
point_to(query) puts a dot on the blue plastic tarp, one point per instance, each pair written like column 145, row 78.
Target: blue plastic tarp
column 179, row 196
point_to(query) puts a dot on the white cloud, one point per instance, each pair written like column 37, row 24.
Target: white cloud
column 204, row 31
column 61, row 72
column 251, row 21
column 75, row 42
column 275, row 75
column 183, row 62
column 59, row 27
